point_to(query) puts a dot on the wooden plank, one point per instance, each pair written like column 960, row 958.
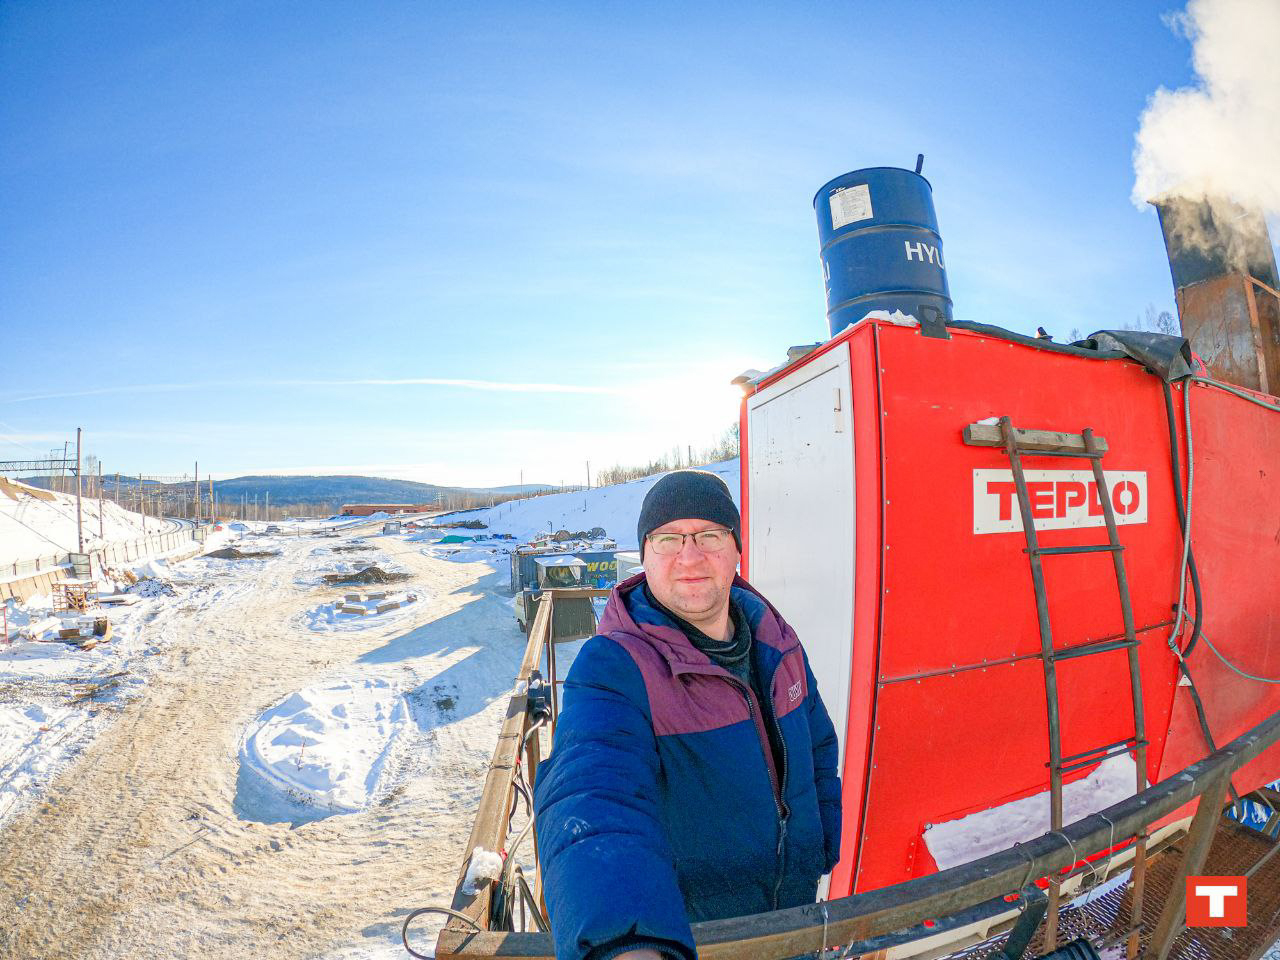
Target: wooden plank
column 1048, row 441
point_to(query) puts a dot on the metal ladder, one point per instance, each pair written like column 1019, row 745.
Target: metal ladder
column 1082, row 446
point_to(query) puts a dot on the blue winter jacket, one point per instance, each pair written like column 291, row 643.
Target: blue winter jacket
column 661, row 803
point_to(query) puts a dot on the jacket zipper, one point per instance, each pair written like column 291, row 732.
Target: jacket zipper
column 776, row 778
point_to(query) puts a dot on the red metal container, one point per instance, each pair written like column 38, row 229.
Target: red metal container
column 896, row 551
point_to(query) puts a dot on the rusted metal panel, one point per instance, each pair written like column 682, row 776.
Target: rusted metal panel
column 1217, row 320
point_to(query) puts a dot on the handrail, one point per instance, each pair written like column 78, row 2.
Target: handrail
column 489, row 830
column 859, row 917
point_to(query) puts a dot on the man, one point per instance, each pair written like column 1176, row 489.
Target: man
column 693, row 775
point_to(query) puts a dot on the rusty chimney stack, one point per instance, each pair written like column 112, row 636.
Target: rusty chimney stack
column 1228, row 294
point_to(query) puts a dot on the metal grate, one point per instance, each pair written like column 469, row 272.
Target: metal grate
column 1104, row 918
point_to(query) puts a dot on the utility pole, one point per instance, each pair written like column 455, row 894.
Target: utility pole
column 117, row 490
column 196, row 484
column 268, row 517
column 79, row 519
column 101, row 511
column 142, row 504
column 588, row 474
column 213, row 506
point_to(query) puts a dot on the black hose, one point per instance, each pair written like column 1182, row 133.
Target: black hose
column 1182, row 515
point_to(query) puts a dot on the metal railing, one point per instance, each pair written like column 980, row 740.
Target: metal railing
column 112, row 554
column 983, row 890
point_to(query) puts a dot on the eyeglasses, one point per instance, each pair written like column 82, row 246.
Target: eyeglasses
column 708, row 541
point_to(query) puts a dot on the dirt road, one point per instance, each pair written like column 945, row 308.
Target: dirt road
column 141, row 848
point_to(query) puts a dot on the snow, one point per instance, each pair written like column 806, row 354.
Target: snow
column 615, row 508
column 329, row 617
column 989, row 831
column 327, row 745
column 31, row 527
column 31, row 739
column 560, row 562
column 483, row 866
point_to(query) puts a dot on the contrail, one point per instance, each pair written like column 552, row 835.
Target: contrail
column 498, row 386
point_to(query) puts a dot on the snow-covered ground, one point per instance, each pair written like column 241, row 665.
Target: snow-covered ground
column 616, row 509
column 220, row 780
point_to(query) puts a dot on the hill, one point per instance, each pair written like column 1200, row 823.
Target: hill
column 331, row 491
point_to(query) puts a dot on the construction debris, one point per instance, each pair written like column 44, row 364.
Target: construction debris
column 233, row 553
column 370, row 574
column 363, row 604
column 151, row 587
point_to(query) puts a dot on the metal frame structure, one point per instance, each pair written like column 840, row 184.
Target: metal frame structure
column 919, row 909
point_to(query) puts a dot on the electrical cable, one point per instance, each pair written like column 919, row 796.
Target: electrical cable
column 1182, row 518
column 404, row 930
column 1233, row 667
column 1236, row 391
column 1189, row 563
column 1186, row 525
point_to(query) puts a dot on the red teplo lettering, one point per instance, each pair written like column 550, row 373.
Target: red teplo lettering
column 1041, row 495
column 1095, row 505
column 1004, row 490
column 1071, row 493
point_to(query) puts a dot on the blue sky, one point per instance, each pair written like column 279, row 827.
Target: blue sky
column 232, row 232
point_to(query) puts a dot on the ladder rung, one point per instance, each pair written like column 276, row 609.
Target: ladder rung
column 1060, row 551
column 1088, row 649
column 1069, row 454
column 1110, row 746
column 1097, row 755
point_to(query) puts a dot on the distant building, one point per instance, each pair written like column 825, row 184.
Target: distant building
column 366, row 509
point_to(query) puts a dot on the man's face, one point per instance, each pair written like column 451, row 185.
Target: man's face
column 691, row 583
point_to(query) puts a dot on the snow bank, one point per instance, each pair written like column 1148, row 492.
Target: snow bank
column 327, row 746
column 989, row 831
column 615, row 508
column 31, row 527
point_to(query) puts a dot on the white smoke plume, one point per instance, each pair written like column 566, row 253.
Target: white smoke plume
column 1220, row 137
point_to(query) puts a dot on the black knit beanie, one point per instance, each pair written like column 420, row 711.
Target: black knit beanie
column 688, row 495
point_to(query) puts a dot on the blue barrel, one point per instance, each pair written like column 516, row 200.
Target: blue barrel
column 880, row 247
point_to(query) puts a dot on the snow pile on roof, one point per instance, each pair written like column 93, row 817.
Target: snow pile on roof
column 990, row 831
column 327, row 746
column 616, row 509
column 496, row 555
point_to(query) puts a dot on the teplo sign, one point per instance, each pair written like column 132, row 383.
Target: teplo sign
column 1217, row 901
column 1059, row 499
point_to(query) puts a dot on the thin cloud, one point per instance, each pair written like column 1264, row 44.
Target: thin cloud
column 497, row 386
